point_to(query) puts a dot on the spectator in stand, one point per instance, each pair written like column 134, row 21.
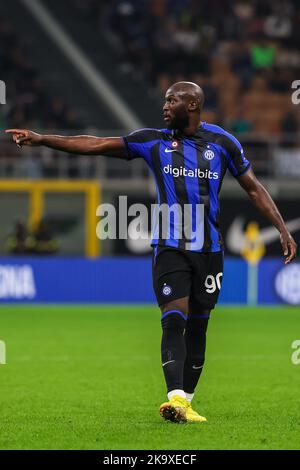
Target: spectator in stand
column 44, row 243
column 262, row 54
column 290, row 128
column 240, row 124
column 19, row 241
column 280, row 80
column 242, row 64
column 278, row 25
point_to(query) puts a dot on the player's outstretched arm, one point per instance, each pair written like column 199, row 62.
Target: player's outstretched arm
column 263, row 201
column 80, row 144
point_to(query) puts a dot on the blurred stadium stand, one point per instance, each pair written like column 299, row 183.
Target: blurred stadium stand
column 244, row 55
column 43, row 89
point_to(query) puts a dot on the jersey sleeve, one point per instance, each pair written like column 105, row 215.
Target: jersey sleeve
column 237, row 163
column 138, row 144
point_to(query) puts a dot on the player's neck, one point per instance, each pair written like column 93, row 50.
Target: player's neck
column 192, row 127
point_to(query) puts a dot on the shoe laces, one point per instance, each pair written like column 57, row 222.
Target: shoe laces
column 182, row 401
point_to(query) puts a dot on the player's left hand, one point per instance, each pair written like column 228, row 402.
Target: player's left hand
column 289, row 246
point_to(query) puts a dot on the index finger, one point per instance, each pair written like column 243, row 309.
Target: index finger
column 14, row 131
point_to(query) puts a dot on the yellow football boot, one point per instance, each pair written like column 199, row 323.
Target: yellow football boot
column 192, row 416
column 174, row 410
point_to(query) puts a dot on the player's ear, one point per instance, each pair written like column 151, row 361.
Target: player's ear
column 193, row 105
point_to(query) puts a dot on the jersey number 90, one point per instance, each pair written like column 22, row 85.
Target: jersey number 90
column 213, row 283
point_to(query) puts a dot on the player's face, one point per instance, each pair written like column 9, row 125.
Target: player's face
column 175, row 111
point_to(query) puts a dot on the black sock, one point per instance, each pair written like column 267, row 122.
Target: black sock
column 173, row 350
column 195, row 340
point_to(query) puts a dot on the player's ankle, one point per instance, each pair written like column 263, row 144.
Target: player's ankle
column 177, row 392
column 189, row 396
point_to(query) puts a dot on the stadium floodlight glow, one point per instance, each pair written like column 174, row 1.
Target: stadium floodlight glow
column 2, row 92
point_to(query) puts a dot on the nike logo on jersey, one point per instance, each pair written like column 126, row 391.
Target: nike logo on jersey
column 235, row 238
column 170, row 150
column 197, row 367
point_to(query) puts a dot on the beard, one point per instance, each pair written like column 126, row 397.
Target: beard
column 180, row 121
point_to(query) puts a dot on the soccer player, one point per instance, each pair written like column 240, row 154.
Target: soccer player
column 189, row 160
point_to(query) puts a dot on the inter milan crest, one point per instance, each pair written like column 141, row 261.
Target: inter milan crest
column 174, row 144
column 166, row 290
column 209, row 155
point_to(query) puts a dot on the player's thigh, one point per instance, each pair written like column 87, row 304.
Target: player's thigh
column 172, row 278
column 206, row 280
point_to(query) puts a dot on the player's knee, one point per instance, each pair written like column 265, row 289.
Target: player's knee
column 173, row 318
column 180, row 305
column 173, row 322
column 173, row 327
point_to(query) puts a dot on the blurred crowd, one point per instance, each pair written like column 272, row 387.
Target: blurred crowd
column 38, row 241
column 28, row 105
column 245, row 54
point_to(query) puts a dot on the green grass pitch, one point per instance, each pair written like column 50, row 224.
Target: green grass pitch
column 89, row 377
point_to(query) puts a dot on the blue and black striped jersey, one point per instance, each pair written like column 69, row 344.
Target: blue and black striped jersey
column 189, row 170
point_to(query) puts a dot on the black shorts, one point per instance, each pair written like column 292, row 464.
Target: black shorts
column 178, row 273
